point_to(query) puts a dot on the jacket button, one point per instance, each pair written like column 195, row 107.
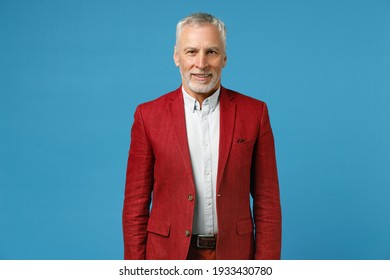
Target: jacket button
column 188, row 233
column 190, row 197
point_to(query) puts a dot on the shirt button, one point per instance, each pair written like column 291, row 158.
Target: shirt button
column 188, row 233
column 190, row 197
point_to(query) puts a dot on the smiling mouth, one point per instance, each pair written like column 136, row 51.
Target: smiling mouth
column 201, row 77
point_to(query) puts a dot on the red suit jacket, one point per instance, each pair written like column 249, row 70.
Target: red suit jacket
column 159, row 172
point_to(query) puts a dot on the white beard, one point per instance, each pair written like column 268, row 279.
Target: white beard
column 199, row 87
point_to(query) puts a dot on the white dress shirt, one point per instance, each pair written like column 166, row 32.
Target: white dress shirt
column 203, row 142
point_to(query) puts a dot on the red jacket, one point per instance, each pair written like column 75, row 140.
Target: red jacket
column 159, row 171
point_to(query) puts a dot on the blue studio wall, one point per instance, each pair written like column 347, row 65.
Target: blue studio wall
column 72, row 73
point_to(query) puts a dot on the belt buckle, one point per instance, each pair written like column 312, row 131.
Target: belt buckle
column 198, row 240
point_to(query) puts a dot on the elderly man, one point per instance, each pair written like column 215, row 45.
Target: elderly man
column 197, row 154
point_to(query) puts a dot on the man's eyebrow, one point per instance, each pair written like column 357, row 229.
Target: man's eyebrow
column 214, row 48
column 208, row 49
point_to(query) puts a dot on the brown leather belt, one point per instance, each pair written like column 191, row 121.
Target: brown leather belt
column 204, row 241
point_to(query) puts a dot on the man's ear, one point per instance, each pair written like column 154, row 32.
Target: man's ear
column 175, row 57
column 224, row 61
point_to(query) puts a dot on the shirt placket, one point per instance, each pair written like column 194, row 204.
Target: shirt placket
column 207, row 178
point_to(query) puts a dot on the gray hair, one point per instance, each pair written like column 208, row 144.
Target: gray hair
column 200, row 19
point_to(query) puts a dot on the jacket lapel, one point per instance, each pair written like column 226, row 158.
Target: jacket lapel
column 176, row 108
column 227, row 121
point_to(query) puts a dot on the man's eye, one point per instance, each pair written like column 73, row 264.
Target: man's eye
column 190, row 52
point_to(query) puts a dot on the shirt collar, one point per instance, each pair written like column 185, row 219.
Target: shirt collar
column 192, row 104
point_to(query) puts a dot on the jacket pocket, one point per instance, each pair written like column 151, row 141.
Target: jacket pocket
column 242, row 144
column 244, row 226
column 159, row 227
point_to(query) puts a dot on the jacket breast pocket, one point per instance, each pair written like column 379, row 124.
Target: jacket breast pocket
column 242, row 144
column 158, row 227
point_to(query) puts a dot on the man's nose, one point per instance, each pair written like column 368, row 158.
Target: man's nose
column 201, row 61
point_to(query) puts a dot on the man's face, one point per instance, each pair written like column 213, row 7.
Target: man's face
column 200, row 55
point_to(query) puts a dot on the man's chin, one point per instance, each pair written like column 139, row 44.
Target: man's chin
column 202, row 89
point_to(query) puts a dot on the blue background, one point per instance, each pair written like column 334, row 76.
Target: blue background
column 72, row 73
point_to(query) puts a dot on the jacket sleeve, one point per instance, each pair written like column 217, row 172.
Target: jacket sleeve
column 265, row 193
column 138, row 189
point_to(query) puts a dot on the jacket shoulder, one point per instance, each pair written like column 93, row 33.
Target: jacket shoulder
column 242, row 99
column 160, row 102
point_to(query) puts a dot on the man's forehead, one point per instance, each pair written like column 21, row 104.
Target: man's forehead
column 196, row 34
